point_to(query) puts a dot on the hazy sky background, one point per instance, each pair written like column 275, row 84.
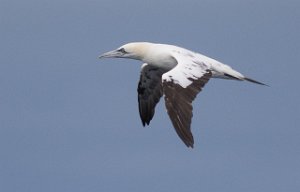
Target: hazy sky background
column 70, row 122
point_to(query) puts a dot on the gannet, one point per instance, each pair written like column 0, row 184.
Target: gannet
column 178, row 74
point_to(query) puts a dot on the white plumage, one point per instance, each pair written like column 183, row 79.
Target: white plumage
column 178, row 74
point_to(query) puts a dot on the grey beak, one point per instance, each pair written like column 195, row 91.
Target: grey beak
column 111, row 54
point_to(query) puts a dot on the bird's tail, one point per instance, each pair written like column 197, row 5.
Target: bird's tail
column 225, row 71
column 254, row 81
column 242, row 78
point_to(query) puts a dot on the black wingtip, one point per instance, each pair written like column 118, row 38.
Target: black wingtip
column 145, row 123
column 256, row 82
column 189, row 144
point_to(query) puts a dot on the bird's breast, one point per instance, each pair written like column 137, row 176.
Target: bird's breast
column 162, row 61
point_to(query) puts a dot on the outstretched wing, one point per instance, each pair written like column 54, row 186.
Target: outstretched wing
column 149, row 91
column 180, row 87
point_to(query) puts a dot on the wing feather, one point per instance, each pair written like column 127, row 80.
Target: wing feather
column 181, row 86
column 149, row 91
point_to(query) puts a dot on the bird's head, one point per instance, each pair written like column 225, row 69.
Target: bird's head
column 131, row 50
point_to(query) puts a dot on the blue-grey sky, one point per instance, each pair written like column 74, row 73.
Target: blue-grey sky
column 70, row 122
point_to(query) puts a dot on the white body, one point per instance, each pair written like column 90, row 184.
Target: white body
column 178, row 74
column 159, row 55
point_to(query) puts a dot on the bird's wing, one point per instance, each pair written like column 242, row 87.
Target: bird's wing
column 149, row 91
column 180, row 87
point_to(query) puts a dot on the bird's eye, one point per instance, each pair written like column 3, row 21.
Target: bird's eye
column 122, row 50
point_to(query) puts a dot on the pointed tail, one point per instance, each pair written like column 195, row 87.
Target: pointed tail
column 229, row 73
column 254, row 81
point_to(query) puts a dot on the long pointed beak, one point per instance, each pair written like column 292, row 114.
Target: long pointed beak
column 111, row 54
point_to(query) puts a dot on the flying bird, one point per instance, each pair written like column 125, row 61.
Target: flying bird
column 178, row 74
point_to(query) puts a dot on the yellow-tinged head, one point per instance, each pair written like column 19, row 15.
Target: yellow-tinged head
column 136, row 50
